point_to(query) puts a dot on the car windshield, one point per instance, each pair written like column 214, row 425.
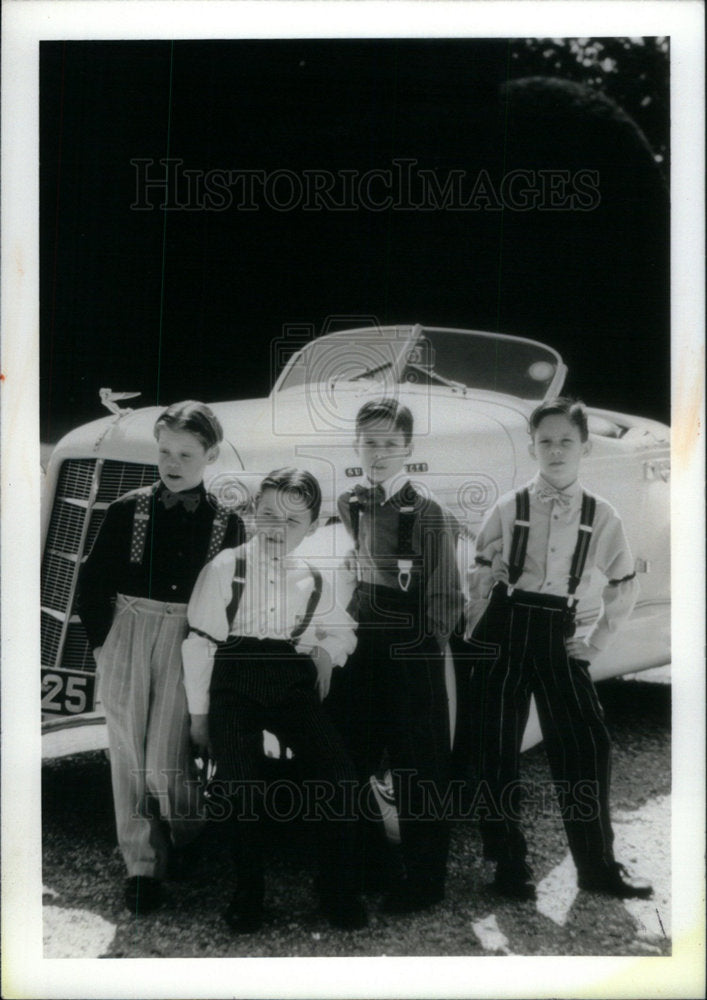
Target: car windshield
column 456, row 359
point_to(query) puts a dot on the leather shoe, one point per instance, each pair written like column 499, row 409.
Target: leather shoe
column 407, row 897
column 183, row 860
column 244, row 914
column 614, row 880
column 345, row 912
column 143, row 894
column 514, row 880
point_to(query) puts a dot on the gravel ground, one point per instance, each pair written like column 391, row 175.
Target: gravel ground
column 83, row 873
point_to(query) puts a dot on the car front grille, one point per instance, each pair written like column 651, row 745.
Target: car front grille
column 85, row 488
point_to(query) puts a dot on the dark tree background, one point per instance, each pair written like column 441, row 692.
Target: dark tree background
column 186, row 303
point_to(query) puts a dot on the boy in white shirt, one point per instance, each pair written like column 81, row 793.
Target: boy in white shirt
column 266, row 630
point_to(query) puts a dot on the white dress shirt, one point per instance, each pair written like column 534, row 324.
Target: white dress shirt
column 273, row 602
column 551, row 544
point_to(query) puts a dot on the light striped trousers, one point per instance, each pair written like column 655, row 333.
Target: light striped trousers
column 142, row 691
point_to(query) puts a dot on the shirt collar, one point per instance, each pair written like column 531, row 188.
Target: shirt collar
column 261, row 552
column 574, row 490
column 391, row 486
column 200, row 489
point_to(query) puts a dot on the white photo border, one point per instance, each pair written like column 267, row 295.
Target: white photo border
column 25, row 972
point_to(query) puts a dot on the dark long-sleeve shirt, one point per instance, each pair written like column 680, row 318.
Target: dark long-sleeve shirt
column 433, row 540
column 175, row 551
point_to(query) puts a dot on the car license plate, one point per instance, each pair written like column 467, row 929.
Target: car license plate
column 67, row 692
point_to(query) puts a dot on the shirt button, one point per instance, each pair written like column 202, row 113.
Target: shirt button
column 169, row 609
column 553, row 549
column 173, row 587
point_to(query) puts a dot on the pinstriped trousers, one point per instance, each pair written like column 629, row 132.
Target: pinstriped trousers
column 265, row 684
column 526, row 656
column 391, row 696
column 142, row 692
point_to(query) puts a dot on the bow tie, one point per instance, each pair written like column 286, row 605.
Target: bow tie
column 371, row 495
column 189, row 499
column 548, row 493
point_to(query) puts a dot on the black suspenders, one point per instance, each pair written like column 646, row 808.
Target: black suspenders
column 238, row 585
column 407, row 515
column 579, row 559
column 519, row 542
column 311, row 605
column 355, row 515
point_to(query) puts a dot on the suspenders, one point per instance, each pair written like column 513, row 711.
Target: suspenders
column 311, row 605
column 407, row 516
column 519, row 542
column 586, row 520
column 238, row 585
column 141, row 520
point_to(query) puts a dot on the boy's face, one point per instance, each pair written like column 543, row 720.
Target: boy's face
column 182, row 458
column 381, row 449
column 282, row 519
column 558, row 449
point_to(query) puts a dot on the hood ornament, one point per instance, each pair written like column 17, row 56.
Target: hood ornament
column 110, row 401
column 110, row 398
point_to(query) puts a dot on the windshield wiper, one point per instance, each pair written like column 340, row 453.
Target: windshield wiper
column 431, row 373
column 371, row 371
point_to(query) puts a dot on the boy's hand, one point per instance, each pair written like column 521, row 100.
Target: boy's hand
column 199, row 732
column 323, row 662
column 580, row 649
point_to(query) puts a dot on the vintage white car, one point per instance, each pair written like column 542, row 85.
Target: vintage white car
column 470, row 393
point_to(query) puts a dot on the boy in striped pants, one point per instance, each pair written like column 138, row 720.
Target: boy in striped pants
column 535, row 553
column 132, row 600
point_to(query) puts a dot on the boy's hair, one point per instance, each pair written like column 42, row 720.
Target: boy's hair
column 297, row 483
column 573, row 409
column 386, row 409
column 196, row 418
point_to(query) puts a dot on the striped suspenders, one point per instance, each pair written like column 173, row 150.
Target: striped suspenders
column 238, row 585
column 141, row 519
column 519, row 542
column 406, row 526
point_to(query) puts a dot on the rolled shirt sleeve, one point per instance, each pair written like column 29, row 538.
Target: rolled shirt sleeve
column 615, row 562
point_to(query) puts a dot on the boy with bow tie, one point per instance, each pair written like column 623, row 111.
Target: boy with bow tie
column 535, row 553
column 132, row 600
column 392, row 694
